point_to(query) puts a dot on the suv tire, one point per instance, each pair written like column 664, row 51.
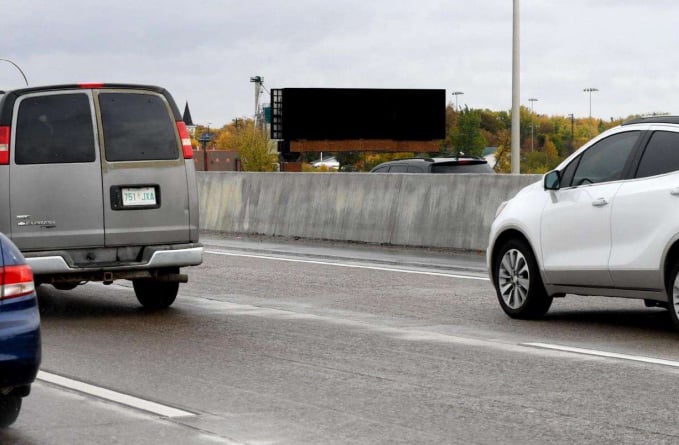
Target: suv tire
column 673, row 295
column 518, row 284
column 155, row 294
column 10, row 406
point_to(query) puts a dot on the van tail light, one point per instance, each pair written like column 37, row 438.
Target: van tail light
column 186, row 140
column 16, row 281
column 4, row 145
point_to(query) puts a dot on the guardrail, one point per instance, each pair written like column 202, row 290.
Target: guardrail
column 423, row 210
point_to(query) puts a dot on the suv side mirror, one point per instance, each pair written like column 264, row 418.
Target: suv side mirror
column 553, row 180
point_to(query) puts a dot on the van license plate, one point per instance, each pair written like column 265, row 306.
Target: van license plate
column 141, row 196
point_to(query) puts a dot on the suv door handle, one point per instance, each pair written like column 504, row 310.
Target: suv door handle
column 599, row 202
column 674, row 191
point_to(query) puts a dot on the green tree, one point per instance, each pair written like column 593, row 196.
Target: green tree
column 466, row 137
column 253, row 147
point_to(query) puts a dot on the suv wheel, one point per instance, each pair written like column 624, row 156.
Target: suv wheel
column 673, row 295
column 155, row 294
column 9, row 409
column 517, row 282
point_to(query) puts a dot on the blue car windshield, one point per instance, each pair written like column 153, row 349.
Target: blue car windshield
column 10, row 254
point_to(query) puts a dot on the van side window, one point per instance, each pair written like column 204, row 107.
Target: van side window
column 137, row 127
column 54, row 129
column 661, row 155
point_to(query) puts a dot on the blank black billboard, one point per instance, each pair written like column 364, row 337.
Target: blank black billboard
column 345, row 114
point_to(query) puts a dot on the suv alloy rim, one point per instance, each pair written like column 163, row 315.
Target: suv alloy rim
column 675, row 296
column 514, row 279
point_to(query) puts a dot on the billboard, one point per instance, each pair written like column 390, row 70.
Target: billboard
column 362, row 118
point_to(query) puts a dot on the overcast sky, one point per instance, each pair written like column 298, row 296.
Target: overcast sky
column 205, row 51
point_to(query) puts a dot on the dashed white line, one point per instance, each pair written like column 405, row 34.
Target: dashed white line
column 605, row 354
column 351, row 266
column 113, row 396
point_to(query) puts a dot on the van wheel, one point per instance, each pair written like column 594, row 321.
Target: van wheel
column 154, row 294
column 65, row 286
column 518, row 283
column 9, row 410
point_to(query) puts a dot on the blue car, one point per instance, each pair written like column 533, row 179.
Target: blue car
column 19, row 331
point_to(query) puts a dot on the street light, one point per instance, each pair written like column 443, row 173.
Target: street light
column 456, row 94
column 17, row 67
column 258, row 81
column 532, row 100
column 590, row 91
column 205, row 138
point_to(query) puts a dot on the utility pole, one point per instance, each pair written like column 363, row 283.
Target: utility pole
column 532, row 100
column 516, row 89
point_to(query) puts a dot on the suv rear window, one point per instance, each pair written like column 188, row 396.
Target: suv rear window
column 54, row 129
column 137, row 127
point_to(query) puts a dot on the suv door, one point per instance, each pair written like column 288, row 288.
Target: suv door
column 146, row 197
column 55, row 174
column 576, row 221
column 646, row 215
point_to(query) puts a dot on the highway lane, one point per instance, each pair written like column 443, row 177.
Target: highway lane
column 275, row 343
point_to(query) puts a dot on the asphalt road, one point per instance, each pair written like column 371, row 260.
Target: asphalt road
column 300, row 343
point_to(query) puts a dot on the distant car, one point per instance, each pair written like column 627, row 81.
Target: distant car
column 330, row 163
column 458, row 164
column 20, row 350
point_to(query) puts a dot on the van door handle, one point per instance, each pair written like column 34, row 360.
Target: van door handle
column 674, row 191
column 599, row 202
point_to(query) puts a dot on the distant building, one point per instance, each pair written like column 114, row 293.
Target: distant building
column 187, row 119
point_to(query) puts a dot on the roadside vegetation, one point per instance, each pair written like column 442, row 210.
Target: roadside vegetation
column 468, row 131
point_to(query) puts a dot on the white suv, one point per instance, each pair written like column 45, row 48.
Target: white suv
column 605, row 222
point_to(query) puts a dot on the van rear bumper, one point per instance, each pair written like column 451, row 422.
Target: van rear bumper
column 152, row 257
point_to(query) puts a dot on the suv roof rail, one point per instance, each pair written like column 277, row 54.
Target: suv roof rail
column 653, row 120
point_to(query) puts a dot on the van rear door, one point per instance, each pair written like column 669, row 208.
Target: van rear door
column 146, row 197
column 55, row 174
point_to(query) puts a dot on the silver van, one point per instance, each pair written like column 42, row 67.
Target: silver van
column 97, row 183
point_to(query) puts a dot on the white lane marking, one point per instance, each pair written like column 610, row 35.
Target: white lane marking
column 113, row 396
column 351, row 266
column 605, row 354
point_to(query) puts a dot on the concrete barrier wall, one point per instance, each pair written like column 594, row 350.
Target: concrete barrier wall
column 448, row 211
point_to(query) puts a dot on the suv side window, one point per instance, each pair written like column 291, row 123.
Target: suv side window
column 605, row 160
column 383, row 169
column 661, row 155
column 54, row 129
column 399, row 168
column 137, row 127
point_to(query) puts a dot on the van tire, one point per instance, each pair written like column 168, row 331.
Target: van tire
column 10, row 406
column 155, row 294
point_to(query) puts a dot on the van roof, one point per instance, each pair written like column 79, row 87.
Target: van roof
column 9, row 98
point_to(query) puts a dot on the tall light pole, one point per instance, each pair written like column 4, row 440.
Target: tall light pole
column 516, row 90
column 17, row 67
column 456, row 94
column 532, row 100
column 590, row 91
column 572, row 130
column 258, row 81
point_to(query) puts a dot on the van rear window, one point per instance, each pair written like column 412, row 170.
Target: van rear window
column 54, row 129
column 137, row 127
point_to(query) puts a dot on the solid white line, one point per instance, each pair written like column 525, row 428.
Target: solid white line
column 594, row 352
column 113, row 396
column 352, row 266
